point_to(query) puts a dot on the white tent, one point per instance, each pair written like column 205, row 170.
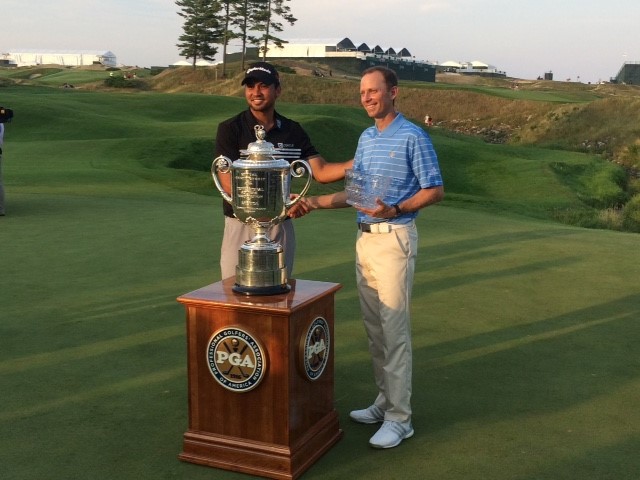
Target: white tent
column 478, row 64
column 199, row 63
column 73, row 58
column 451, row 64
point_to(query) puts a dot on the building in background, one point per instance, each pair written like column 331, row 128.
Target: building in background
column 629, row 74
column 71, row 58
column 475, row 67
column 344, row 55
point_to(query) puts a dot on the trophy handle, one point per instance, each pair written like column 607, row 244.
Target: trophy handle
column 298, row 169
column 222, row 164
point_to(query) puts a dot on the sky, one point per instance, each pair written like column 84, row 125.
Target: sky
column 576, row 40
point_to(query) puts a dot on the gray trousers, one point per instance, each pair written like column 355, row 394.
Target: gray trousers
column 236, row 233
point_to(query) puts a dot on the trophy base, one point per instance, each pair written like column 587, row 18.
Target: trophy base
column 261, row 269
column 270, row 290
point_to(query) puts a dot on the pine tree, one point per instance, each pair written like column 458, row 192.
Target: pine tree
column 240, row 22
column 263, row 19
column 233, row 15
column 248, row 14
column 203, row 28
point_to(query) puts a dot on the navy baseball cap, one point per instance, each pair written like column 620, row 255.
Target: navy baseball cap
column 261, row 72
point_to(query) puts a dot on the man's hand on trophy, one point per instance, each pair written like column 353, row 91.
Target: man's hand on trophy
column 301, row 207
column 381, row 210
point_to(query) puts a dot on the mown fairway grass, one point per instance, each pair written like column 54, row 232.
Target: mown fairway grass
column 525, row 330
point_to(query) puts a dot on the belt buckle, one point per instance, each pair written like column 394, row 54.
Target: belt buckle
column 380, row 228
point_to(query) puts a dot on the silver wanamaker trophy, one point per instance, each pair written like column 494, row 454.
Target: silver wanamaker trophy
column 260, row 197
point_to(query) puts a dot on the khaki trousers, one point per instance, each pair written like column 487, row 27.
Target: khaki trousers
column 385, row 266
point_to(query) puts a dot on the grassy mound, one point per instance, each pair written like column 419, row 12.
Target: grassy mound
column 168, row 138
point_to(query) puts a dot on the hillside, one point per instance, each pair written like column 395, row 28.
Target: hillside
column 588, row 118
column 560, row 117
column 599, row 119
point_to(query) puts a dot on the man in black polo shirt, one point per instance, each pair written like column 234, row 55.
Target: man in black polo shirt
column 261, row 89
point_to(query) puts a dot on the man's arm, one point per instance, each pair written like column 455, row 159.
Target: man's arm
column 306, row 204
column 422, row 199
column 327, row 172
column 225, row 182
column 331, row 200
column 226, row 145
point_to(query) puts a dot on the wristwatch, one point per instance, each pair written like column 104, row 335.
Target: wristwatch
column 398, row 211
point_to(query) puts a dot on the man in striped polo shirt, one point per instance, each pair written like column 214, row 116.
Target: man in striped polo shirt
column 386, row 247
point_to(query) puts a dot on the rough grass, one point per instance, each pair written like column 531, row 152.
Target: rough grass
column 477, row 173
column 598, row 119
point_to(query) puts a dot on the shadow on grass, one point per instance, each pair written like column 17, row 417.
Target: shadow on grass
column 547, row 400
column 544, row 366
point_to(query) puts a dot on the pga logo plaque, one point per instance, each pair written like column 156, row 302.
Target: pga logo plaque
column 314, row 349
column 236, row 359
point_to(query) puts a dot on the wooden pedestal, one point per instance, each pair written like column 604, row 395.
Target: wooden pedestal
column 255, row 404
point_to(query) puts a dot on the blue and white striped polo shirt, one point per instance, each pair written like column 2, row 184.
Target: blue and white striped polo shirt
column 404, row 152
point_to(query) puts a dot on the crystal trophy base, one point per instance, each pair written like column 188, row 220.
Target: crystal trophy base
column 364, row 189
column 261, row 269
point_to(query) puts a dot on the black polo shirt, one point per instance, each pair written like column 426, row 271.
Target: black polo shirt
column 237, row 133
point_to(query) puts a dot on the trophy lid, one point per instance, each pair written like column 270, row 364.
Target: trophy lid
column 260, row 149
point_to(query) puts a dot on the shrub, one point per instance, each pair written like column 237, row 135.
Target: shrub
column 120, row 82
column 630, row 155
column 580, row 217
column 610, row 218
column 606, row 187
column 631, row 215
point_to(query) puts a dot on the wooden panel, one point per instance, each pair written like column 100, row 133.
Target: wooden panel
column 284, row 424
